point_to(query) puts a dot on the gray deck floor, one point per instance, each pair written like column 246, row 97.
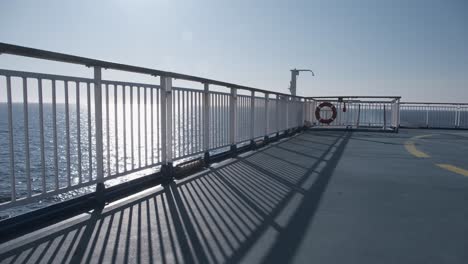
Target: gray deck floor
column 319, row 197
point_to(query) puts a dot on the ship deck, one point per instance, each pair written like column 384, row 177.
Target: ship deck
column 317, row 197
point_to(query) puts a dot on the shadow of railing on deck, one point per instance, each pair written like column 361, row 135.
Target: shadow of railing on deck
column 221, row 215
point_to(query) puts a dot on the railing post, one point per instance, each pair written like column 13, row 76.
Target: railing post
column 267, row 117
column 305, row 110
column 277, row 114
column 427, row 117
column 233, row 121
column 166, row 127
column 206, row 123
column 302, row 107
column 98, row 119
column 313, row 105
column 287, row 113
column 457, row 117
column 359, row 116
column 252, row 118
column 398, row 115
column 384, row 118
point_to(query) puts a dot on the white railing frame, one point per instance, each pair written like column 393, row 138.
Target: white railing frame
column 294, row 109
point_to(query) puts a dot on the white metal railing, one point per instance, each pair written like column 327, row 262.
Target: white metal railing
column 65, row 133
column 355, row 112
column 434, row 115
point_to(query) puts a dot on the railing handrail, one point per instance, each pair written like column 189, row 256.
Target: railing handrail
column 67, row 58
column 433, row 103
column 353, row 97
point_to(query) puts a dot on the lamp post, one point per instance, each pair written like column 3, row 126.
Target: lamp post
column 294, row 74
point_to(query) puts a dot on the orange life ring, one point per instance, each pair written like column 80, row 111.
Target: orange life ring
column 317, row 113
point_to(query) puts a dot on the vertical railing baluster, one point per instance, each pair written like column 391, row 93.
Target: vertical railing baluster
column 267, row 115
column 138, row 126
column 183, row 128
column 287, row 110
column 145, row 126
column 358, row 116
column 226, row 119
column 90, row 144
column 67, row 127
column 107, row 131
column 192, row 127
column 186, row 128
column 54, row 121
column 98, row 127
column 152, row 133
column 200, row 120
column 26, row 135
column 206, row 121
column 132, row 147
column 124, row 126
column 427, row 116
column 78, row 130
column 384, row 118
column 116, row 131
column 11, row 140
column 215, row 119
column 175, row 142
column 233, row 120
column 303, row 113
column 188, row 124
column 277, row 113
column 158, row 118
column 305, row 110
column 221, row 119
column 41, row 129
column 252, row 116
column 179, row 120
column 398, row 115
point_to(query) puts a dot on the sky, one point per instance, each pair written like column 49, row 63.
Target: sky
column 417, row 49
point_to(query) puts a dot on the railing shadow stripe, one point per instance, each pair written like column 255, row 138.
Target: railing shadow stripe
column 268, row 193
column 221, row 214
column 175, row 204
column 248, row 191
column 244, row 214
column 202, row 223
column 117, row 237
column 215, row 216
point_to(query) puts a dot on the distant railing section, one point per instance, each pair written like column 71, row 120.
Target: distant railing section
column 434, row 115
column 354, row 112
column 63, row 133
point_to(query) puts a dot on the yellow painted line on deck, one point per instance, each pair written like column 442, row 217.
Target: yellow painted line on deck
column 423, row 136
column 454, row 169
column 410, row 146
